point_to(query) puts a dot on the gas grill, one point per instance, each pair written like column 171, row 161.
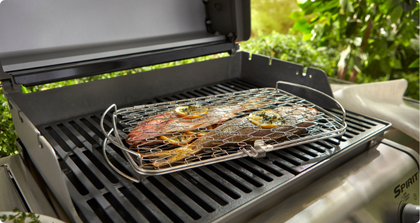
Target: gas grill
column 62, row 143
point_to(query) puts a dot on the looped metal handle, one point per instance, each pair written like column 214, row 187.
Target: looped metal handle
column 320, row 92
column 112, row 165
column 119, row 144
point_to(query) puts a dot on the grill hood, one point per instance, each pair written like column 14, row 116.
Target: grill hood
column 51, row 41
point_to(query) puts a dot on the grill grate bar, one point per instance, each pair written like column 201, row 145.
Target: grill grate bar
column 92, row 173
column 242, row 84
column 358, row 118
column 104, row 210
column 151, row 211
column 178, row 197
column 286, row 167
column 265, row 164
column 227, row 89
column 219, row 182
column 298, row 154
column 167, row 206
column 305, row 149
column 240, row 185
column 114, row 153
column 239, row 171
column 291, row 159
column 195, row 196
column 139, row 206
column 254, row 170
column 207, row 189
column 120, row 209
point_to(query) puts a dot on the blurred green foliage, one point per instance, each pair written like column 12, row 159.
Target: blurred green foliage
column 271, row 15
column 374, row 37
column 293, row 48
column 119, row 73
column 7, row 129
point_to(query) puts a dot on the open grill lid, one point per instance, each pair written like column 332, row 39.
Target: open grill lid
column 51, row 41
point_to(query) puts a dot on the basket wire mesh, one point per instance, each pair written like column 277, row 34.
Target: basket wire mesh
column 177, row 135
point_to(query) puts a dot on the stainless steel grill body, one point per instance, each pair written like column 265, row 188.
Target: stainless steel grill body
column 60, row 128
column 203, row 194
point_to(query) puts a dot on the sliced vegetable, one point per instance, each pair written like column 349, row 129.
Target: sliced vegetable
column 265, row 119
column 191, row 111
column 177, row 139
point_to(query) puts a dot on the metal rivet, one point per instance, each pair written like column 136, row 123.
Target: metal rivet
column 217, row 7
column 21, row 119
column 39, row 140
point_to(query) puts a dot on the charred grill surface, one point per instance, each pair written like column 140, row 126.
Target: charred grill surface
column 197, row 195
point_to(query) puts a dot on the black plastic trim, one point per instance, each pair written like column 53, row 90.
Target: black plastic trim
column 77, row 70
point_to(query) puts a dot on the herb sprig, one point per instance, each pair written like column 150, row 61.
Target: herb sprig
column 20, row 217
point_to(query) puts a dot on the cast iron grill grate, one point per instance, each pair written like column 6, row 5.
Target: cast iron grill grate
column 198, row 195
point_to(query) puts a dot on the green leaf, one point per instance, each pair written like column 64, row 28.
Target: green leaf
column 385, row 66
column 389, row 4
column 414, row 64
column 315, row 19
column 396, row 13
column 25, row 90
column 297, row 15
column 351, row 28
column 346, row 6
column 327, row 7
column 307, row 36
column 309, row 6
column 302, row 26
column 381, row 45
column 395, row 63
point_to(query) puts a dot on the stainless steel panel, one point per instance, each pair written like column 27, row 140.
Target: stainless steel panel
column 10, row 198
column 26, row 194
column 368, row 188
column 44, row 159
column 52, row 32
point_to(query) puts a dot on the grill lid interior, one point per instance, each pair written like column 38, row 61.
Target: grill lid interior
column 50, row 33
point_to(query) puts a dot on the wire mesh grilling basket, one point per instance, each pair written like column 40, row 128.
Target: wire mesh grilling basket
column 177, row 135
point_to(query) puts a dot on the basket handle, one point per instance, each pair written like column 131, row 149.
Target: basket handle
column 320, row 92
column 119, row 144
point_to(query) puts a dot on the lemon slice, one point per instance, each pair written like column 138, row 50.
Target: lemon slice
column 191, row 111
column 200, row 133
column 177, row 139
column 266, row 119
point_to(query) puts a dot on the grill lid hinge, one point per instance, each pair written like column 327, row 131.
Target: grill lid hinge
column 230, row 18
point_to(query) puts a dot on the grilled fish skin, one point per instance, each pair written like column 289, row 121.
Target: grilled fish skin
column 241, row 130
column 169, row 122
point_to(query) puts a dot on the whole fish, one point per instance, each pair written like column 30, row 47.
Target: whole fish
column 145, row 132
column 295, row 120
